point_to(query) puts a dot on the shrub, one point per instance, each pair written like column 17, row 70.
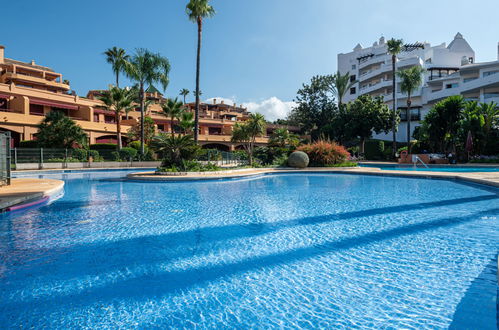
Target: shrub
column 103, row 146
column 96, row 157
column 135, row 145
column 28, row 144
column 127, row 153
column 81, row 154
column 323, row 153
column 115, row 156
column 373, row 149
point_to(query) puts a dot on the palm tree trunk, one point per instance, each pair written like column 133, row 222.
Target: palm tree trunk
column 184, row 98
column 117, row 79
column 408, row 122
column 142, row 106
column 171, row 126
column 118, row 129
column 394, row 101
column 198, row 64
column 362, row 144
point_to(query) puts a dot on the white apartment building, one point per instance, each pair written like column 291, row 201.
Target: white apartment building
column 449, row 70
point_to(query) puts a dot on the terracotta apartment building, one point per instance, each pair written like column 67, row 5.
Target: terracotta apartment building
column 28, row 91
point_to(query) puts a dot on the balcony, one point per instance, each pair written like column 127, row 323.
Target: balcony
column 384, row 68
column 381, row 84
column 32, row 79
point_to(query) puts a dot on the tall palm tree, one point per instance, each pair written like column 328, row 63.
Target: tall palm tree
column 184, row 92
column 340, row 84
column 173, row 109
column 145, row 67
column 394, row 48
column 117, row 57
column 197, row 10
column 118, row 100
column 411, row 80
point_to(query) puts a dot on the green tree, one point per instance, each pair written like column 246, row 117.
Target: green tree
column 136, row 133
column 394, row 48
column 440, row 125
column 282, row 138
column 186, row 122
column 184, row 92
column 411, row 80
column 145, row 67
column 366, row 115
column 117, row 57
column 118, row 100
column 175, row 149
column 173, row 109
column 197, row 10
column 247, row 132
column 340, row 85
column 315, row 106
column 59, row 131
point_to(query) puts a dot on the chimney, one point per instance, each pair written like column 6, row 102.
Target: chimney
column 2, row 50
column 214, row 101
column 32, row 62
column 222, row 102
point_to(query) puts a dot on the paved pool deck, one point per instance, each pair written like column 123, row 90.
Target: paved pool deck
column 486, row 178
column 25, row 190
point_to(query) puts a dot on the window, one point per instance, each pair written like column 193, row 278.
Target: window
column 453, row 85
column 470, row 60
column 36, row 109
column 465, row 80
column 415, row 114
column 354, row 66
column 96, row 117
column 352, row 90
column 214, row 130
column 489, row 73
column 352, row 78
column 109, row 119
column 161, row 127
column 490, row 95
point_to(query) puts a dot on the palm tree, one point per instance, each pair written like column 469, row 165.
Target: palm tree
column 247, row 132
column 173, row 109
column 117, row 57
column 187, row 122
column 184, row 92
column 174, row 149
column 197, row 10
column 145, row 67
column 394, row 48
column 118, row 100
column 340, row 84
column 411, row 80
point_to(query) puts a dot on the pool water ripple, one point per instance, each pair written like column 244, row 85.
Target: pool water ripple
column 299, row 250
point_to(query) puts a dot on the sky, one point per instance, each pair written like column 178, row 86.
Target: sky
column 257, row 53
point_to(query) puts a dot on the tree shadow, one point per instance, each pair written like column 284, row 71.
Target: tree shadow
column 96, row 257
column 479, row 307
column 157, row 284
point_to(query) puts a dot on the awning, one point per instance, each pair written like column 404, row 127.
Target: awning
column 53, row 104
column 5, row 96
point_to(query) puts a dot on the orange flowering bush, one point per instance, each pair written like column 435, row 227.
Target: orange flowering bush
column 323, row 153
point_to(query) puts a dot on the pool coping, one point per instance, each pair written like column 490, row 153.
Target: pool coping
column 485, row 178
column 27, row 192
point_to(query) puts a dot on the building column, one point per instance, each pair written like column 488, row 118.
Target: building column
column 20, row 104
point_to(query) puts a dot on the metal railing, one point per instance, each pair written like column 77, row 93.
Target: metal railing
column 4, row 158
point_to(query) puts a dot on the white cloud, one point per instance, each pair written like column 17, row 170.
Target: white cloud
column 272, row 108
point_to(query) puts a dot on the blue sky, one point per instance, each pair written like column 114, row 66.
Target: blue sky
column 256, row 52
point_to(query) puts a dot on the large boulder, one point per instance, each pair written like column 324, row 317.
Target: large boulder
column 298, row 159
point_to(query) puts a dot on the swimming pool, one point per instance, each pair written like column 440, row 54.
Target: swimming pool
column 449, row 168
column 289, row 250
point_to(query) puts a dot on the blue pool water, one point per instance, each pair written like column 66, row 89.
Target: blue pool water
column 433, row 168
column 287, row 251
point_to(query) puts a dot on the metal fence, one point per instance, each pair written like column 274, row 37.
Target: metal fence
column 48, row 155
column 4, row 158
